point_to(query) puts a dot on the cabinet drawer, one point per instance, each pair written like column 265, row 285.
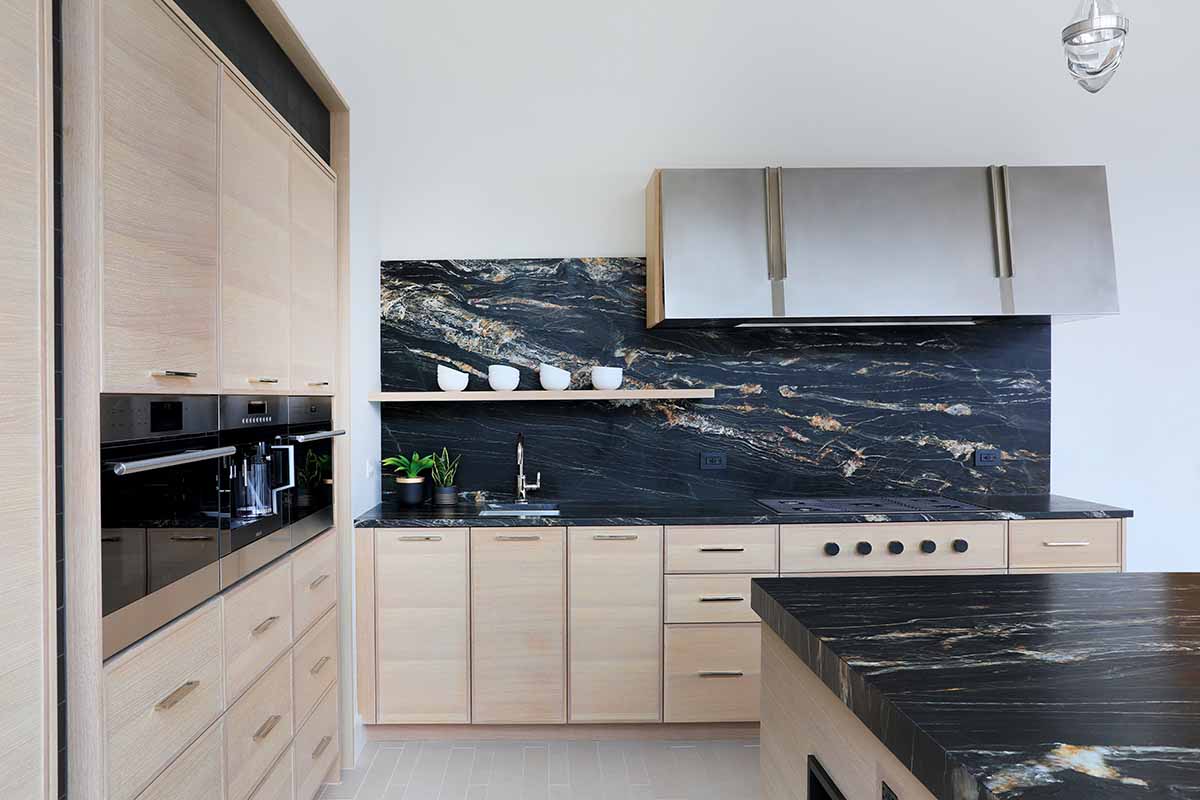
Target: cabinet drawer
column 314, row 580
column 316, row 747
column 735, row 548
column 315, row 664
column 198, row 774
column 258, row 728
column 278, row 784
column 923, row 546
column 258, row 626
column 1065, row 543
column 712, row 673
column 159, row 696
column 710, row 598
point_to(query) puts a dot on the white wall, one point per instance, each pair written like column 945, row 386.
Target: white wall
column 529, row 128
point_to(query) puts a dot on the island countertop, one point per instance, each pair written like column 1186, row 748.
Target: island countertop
column 1031, row 686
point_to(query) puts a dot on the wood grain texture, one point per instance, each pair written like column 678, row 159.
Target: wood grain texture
column 249, row 752
column 710, row 598
column 278, row 784
column 518, row 625
column 314, row 261
column 422, row 609
column 256, row 308
column 27, row 591
column 248, row 607
column 314, row 665
column 1049, row 544
column 364, row 624
column 691, row 650
column 614, row 662
column 655, row 306
column 198, row 774
column 715, row 548
column 801, row 547
column 160, row 279
column 310, row 760
column 141, row 738
column 314, row 581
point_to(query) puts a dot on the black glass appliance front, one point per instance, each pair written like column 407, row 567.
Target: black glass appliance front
column 310, row 433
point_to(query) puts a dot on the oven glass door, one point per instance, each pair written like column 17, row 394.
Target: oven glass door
column 310, row 504
column 257, row 474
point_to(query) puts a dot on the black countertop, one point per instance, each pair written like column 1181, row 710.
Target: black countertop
column 1021, row 686
column 647, row 511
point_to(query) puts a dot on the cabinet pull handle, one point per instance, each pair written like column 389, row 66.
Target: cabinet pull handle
column 263, row 626
column 722, row 598
column 191, row 538
column 320, row 579
column 320, row 665
column 264, row 379
column 265, row 729
column 110, row 539
column 533, row 537
column 721, row 673
column 172, row 700
column 418, row 538
column 173, row 373
column 1066, row 544
column 321, row 746
column 318, row 383
column 722, row 549
column 615, row 537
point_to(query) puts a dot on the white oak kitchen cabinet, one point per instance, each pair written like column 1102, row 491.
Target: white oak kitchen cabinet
column 314, row 289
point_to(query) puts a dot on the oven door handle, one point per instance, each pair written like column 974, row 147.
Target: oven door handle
column 291, row 484
column 305, row 438
column 178, row 459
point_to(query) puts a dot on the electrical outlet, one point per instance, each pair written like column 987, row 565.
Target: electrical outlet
column 987, row 458
column 713, row 459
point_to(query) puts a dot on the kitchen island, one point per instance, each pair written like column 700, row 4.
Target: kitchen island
column 981, row 687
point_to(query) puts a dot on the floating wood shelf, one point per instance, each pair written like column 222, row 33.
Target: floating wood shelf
column 488, row 396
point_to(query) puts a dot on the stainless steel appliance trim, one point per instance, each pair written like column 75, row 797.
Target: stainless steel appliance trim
column 178, row 459
column 142, row 617
column 305, row 438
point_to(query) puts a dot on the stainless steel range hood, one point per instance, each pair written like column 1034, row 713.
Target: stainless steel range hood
column 873, row 246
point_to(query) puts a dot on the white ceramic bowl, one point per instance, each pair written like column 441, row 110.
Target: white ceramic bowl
column 606, row 378
column 553, row 379
column 503, row 378
column 451, row 380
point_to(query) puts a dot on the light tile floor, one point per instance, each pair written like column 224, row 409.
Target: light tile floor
column 575, row 770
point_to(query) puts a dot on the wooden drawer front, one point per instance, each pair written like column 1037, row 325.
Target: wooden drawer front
column 278, row 784
column 314, row 580
column 258, row 728
column 710, row 598
column 315, row 664
column 518, row 600
column 198, row 774
column 802, row 547
column 258, row 626
column 316, row 747
column 159, row 696
column 712, row 673
column 1061, row 570
column 737, row 548
column 615, row 624
column 1065, row 543
column 422, row 614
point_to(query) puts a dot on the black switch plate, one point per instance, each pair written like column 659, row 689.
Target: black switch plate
column 987, row 458
column 713, row 459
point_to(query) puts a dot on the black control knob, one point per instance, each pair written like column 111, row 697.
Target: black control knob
column 960, row 545
column 928, row 546
column 832, row 548
column 895, row 548
column 864, row 548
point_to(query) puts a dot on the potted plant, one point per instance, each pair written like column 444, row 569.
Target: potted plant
column 409, row 481
column 445, row 493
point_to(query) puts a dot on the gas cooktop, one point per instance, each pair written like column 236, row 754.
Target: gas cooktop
column 866, row 505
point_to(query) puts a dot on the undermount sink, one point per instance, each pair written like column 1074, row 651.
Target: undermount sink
column 520, row 510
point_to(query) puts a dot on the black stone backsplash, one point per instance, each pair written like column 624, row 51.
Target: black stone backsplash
column 797, row 409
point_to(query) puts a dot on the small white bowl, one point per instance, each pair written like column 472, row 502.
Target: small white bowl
column 451, row 380
column 502, row 378
column 553, row 379
column 606, row 378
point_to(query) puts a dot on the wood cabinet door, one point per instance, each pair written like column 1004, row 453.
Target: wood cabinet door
column 314, row 276
column 615, row 624
column 256, row 306
column 160, row 282
column 422, row 627
column 517, row 625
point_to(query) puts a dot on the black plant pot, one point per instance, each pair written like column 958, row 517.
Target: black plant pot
column 410, row 491
column 445, row 495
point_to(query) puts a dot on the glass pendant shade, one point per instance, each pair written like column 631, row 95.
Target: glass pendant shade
column 1094, row 43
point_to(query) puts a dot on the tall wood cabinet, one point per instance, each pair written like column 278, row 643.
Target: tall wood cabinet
column 314, row 282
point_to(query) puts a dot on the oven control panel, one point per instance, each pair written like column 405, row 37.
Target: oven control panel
column 893, row 547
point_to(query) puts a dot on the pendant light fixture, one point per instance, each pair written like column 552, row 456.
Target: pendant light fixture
column 1094, row 43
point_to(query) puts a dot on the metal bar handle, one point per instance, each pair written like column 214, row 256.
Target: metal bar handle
column 321, row 746
column 722, row 549
column 722, row 598
column 320, row 665
column 264, row 626
column 1066, row 544
column 1000, row 221
column 318, row 581
column 265, row 729
column 172, row 700
column 173, row 373
column 721, row 673
column 518, row 538
column 615, row 537
column 318, row 383
column 176, row 460
column 264, row 379
column 191, row 538
column 305, row 438
column 418, row 538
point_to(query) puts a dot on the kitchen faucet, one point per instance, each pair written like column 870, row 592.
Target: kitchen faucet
column 522, row 485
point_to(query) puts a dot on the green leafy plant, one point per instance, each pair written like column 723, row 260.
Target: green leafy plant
column 314, row 470
column 409, row 467
column 444, row 468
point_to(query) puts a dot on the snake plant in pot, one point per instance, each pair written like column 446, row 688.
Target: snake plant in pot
column 445, row 493
column 410, row 484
